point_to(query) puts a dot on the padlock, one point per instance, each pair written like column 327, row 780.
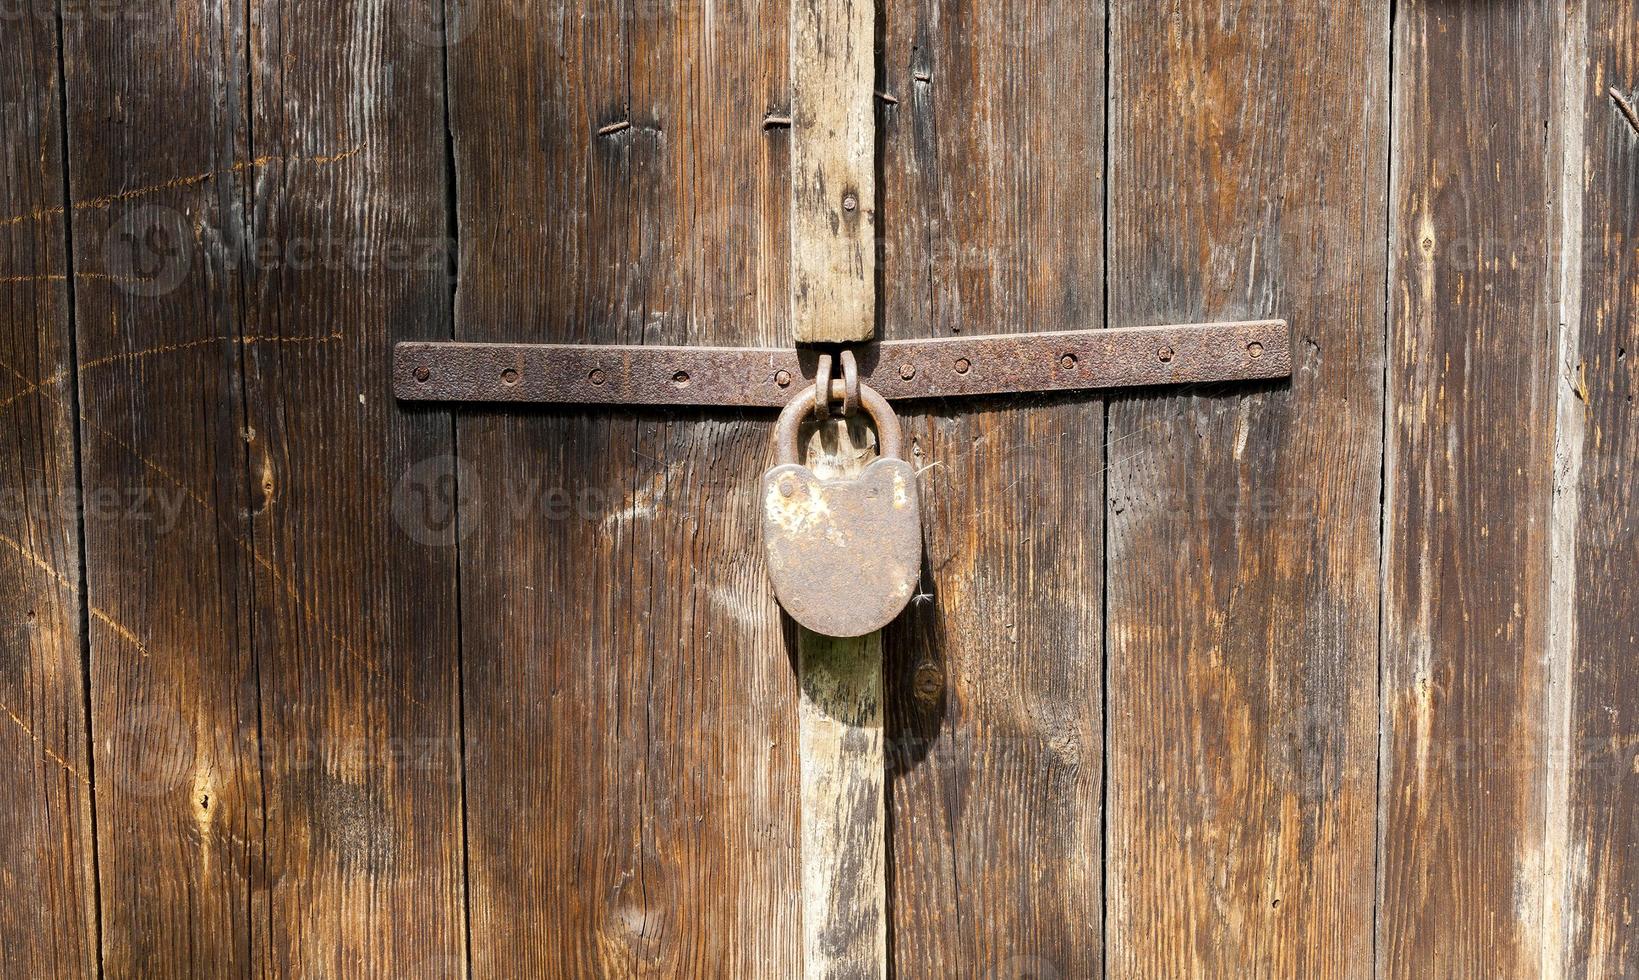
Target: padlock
column 844, row 553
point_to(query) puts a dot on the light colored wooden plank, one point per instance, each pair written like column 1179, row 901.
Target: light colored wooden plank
column 843, row 817
column 833, row 178
column 1595, row 652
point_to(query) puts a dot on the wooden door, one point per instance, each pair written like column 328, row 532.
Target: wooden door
column 1332, row 677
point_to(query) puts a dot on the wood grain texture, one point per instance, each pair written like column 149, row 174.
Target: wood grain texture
column 844, row 823
column 1247, row 158
column 631, row 705
column 833, row 170
column 1599, row 440
column 992, row 135
column 1470, row 446
column 159, row 171
column 48, row 924
column 352, row 592
column 276, row 715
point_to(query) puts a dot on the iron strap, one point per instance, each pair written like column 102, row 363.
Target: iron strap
column 766, row 377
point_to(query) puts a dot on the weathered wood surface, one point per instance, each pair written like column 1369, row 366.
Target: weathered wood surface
column 833, row 170
column 159, row 170
column 1247, row 159
column 992, row 135
column 276, row 713
column 352, row 590
column 47, row 891
column 844, row 821
column 1469, row 464
column 1596, row 587
column 631, row 705
column 267, row 688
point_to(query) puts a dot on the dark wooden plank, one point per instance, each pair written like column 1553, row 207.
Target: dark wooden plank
column 158, row 165
column 991, row 218
column 353, row 587
column 277, row 715
column 630, row 702
column 1247, row 162
column 1599, row 440
column 1469, row 472
column 48, row 920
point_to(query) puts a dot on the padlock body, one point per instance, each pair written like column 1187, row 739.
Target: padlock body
column 844, row 553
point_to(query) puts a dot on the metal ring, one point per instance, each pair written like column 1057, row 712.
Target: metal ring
column 850, row 383
column 822, row 387
column 888, row 434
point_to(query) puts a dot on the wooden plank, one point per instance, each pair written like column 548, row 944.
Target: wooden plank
column 833, row 170
column 834, row 299
column 1469, row 471
column 48, row 924
column 992, row 223
column 1247, row 160
column 352, row 591
column 844, row 824
column 276, row 716
column 631, row 707
column 1597, row 551
column 159, row 164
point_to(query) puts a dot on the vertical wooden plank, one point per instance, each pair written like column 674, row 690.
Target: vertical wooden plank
column 844, row 824
column 1247, row 162
column 992, row 129
column 1469, row 472
column 630, row 699
column 1595, row 587
column 352, row 591
column 48, row 922
column 833, row 170
column 159, row 164
column 834, row 299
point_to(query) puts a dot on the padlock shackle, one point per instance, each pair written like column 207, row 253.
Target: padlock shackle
column 802, row 406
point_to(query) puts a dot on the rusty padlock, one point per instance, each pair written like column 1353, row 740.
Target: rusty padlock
column 844, row 553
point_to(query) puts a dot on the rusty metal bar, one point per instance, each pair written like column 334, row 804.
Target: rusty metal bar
column 755, row 377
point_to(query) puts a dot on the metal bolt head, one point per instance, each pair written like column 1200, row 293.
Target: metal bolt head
column 1068, row 362
column 1165, row 355
column 422, row 373
column 509, row 376
column 596, row 377
column 681, row 379
column 907, row 371
column 850, row 203
column 963, row 365
column 783, row 379
column 1255, row 349
column 788, row 485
